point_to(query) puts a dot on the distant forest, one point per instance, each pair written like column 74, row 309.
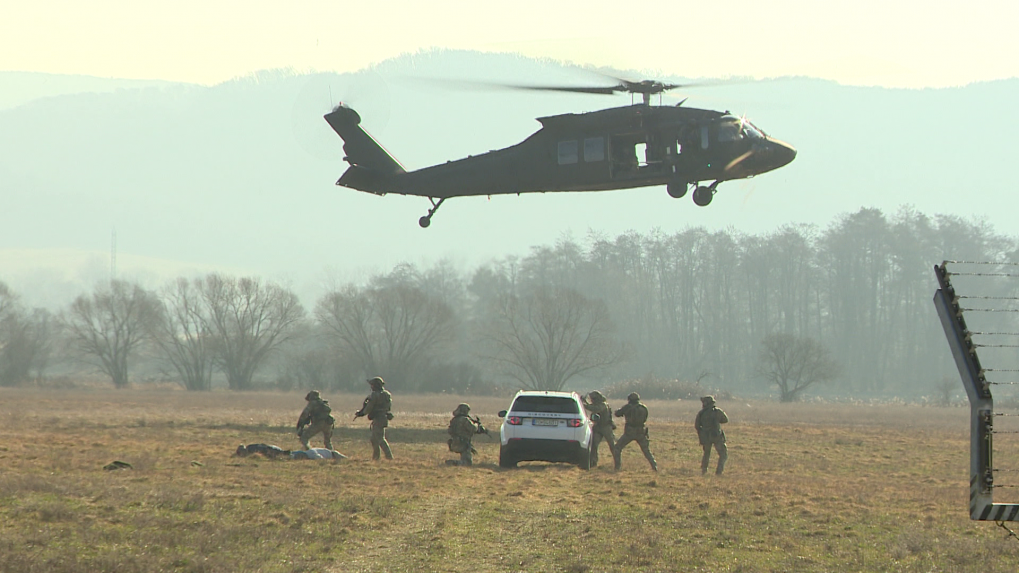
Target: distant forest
column 692, row 307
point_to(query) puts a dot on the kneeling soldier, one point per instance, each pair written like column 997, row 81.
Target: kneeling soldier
column 462, row 430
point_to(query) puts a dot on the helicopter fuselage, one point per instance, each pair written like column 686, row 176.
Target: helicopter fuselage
column 616, row 148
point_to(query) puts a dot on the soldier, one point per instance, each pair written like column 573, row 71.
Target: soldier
column 634, row 430
column 377, row 407
column 316, row 417
column 603, row 424
column 709, row 430
column 462, row 430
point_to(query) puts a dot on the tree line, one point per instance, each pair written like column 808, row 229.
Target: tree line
column 741, row 312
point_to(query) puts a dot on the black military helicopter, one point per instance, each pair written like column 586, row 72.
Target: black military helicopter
column 617, row 148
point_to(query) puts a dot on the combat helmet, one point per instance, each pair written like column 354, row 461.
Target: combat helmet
column 376, row 381
column 596, row 396
column 462, row 410
column 633, row 397
column 707, row 400
column 313, row 395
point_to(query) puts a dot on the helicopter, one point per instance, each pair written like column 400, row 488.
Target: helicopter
column 625, row 147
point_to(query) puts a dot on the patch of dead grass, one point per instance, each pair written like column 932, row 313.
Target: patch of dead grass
column 808, row 487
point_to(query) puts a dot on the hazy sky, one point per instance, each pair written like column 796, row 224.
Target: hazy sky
column 900, row 43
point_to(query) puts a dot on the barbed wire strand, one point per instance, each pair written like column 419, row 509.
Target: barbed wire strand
column 1010, row 533
column 956, row 274
column 1005, row 264
column 987, row 297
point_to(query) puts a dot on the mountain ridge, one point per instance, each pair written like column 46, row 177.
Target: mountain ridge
column 240, row 174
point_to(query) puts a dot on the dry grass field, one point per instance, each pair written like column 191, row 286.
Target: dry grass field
column 809, row 487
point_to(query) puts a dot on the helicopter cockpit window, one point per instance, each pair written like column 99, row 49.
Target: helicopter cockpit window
column 751, row 131
column 567, row 152
column 729, row 131
column 594, row 149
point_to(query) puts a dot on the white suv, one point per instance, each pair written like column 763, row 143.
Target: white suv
column 545, row 426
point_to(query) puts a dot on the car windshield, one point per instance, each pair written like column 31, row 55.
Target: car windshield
column 554, row 404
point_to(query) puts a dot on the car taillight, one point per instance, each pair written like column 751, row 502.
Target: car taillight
column 514, row 420
column 574, row 422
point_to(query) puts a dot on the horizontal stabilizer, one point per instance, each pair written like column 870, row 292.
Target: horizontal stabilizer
column 356, row 177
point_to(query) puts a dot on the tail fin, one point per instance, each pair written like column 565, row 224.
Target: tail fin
column 362, row 150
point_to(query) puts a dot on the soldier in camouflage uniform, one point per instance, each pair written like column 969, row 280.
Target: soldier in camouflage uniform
column 603, row 425
column 462, row 430
column 634, row 430
column 709, row 430
column 316, row 417
column 377, row 407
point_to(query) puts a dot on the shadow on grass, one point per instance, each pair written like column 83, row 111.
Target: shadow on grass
column 393, row 435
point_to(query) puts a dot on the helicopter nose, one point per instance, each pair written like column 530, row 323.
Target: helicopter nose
column 781, row 152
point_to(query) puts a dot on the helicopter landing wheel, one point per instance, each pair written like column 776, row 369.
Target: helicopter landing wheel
column 702, row 195
column 427, row 219
column 677, row 189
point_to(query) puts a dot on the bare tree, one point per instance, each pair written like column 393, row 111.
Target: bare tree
column 389, row 329
column 248, row 321
column 25, row 339
column 27, row 342
column 108, row 326
column 10, row 326
column 795, row 363
column 545, row 338
column 183, row 332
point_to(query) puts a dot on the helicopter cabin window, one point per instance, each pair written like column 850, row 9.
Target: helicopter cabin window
column 641, row 150
column 594, row 149
column 567, row 152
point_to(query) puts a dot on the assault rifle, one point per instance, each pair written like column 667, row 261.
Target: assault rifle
column 481, row 428
column 360, row 412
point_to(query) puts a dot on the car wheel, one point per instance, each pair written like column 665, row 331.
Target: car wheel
column 505, row 460
column 584, row 459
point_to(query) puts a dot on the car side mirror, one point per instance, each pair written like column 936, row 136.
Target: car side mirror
column 502, row 413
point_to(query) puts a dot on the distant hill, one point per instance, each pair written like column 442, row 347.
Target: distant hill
column 240, row 175
column 17, row 88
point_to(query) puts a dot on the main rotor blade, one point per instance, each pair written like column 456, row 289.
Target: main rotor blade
column 608, row 90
